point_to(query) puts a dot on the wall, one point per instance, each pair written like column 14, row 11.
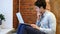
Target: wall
column 27, row 11
column 15, row 10
column 6, row 8
column 55, row 8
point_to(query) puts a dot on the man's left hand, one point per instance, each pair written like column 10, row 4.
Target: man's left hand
column 35, row 26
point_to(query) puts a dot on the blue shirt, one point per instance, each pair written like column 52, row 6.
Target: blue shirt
column 47, row 23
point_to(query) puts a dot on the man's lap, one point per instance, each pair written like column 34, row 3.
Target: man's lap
column 24, row 28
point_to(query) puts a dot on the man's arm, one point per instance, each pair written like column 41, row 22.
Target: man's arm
column 52, row 25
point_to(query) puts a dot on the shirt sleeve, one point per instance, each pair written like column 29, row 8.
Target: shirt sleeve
column 52, row 25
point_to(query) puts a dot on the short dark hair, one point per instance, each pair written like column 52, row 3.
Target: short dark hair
column 40, row 3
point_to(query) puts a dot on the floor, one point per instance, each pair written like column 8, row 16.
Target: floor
column 5, row 31
column 12, row 32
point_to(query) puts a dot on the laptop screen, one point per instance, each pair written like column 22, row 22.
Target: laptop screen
column 19, row 16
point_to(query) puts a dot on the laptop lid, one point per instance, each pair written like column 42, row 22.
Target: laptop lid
column 19, row 16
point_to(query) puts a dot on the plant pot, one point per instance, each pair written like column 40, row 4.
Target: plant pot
column 0, row 22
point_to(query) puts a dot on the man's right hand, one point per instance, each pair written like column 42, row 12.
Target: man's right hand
column 38, row 16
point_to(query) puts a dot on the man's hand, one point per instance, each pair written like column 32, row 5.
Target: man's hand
column 38, row 15
column 35, row 26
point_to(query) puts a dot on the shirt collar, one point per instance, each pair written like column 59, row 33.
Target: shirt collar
column 45, row 13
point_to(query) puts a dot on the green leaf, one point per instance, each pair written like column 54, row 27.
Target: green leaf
column 2, row 17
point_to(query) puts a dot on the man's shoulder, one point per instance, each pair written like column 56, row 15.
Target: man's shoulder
column 49, row 13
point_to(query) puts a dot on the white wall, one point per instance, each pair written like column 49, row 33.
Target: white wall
column 6, row 8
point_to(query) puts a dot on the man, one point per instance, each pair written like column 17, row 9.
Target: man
column 46, row 21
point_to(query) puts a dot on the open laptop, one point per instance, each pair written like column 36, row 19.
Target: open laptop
column 20, row 19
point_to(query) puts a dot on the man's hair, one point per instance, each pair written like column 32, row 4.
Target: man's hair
column 40, row 3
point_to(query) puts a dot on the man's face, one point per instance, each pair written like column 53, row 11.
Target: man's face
column 40, row 10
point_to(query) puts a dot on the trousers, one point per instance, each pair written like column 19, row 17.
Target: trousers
column 27, row 29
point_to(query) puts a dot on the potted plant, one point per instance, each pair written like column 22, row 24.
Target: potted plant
column 1, row 18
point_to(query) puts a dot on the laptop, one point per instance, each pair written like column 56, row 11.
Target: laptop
column 20, row 19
